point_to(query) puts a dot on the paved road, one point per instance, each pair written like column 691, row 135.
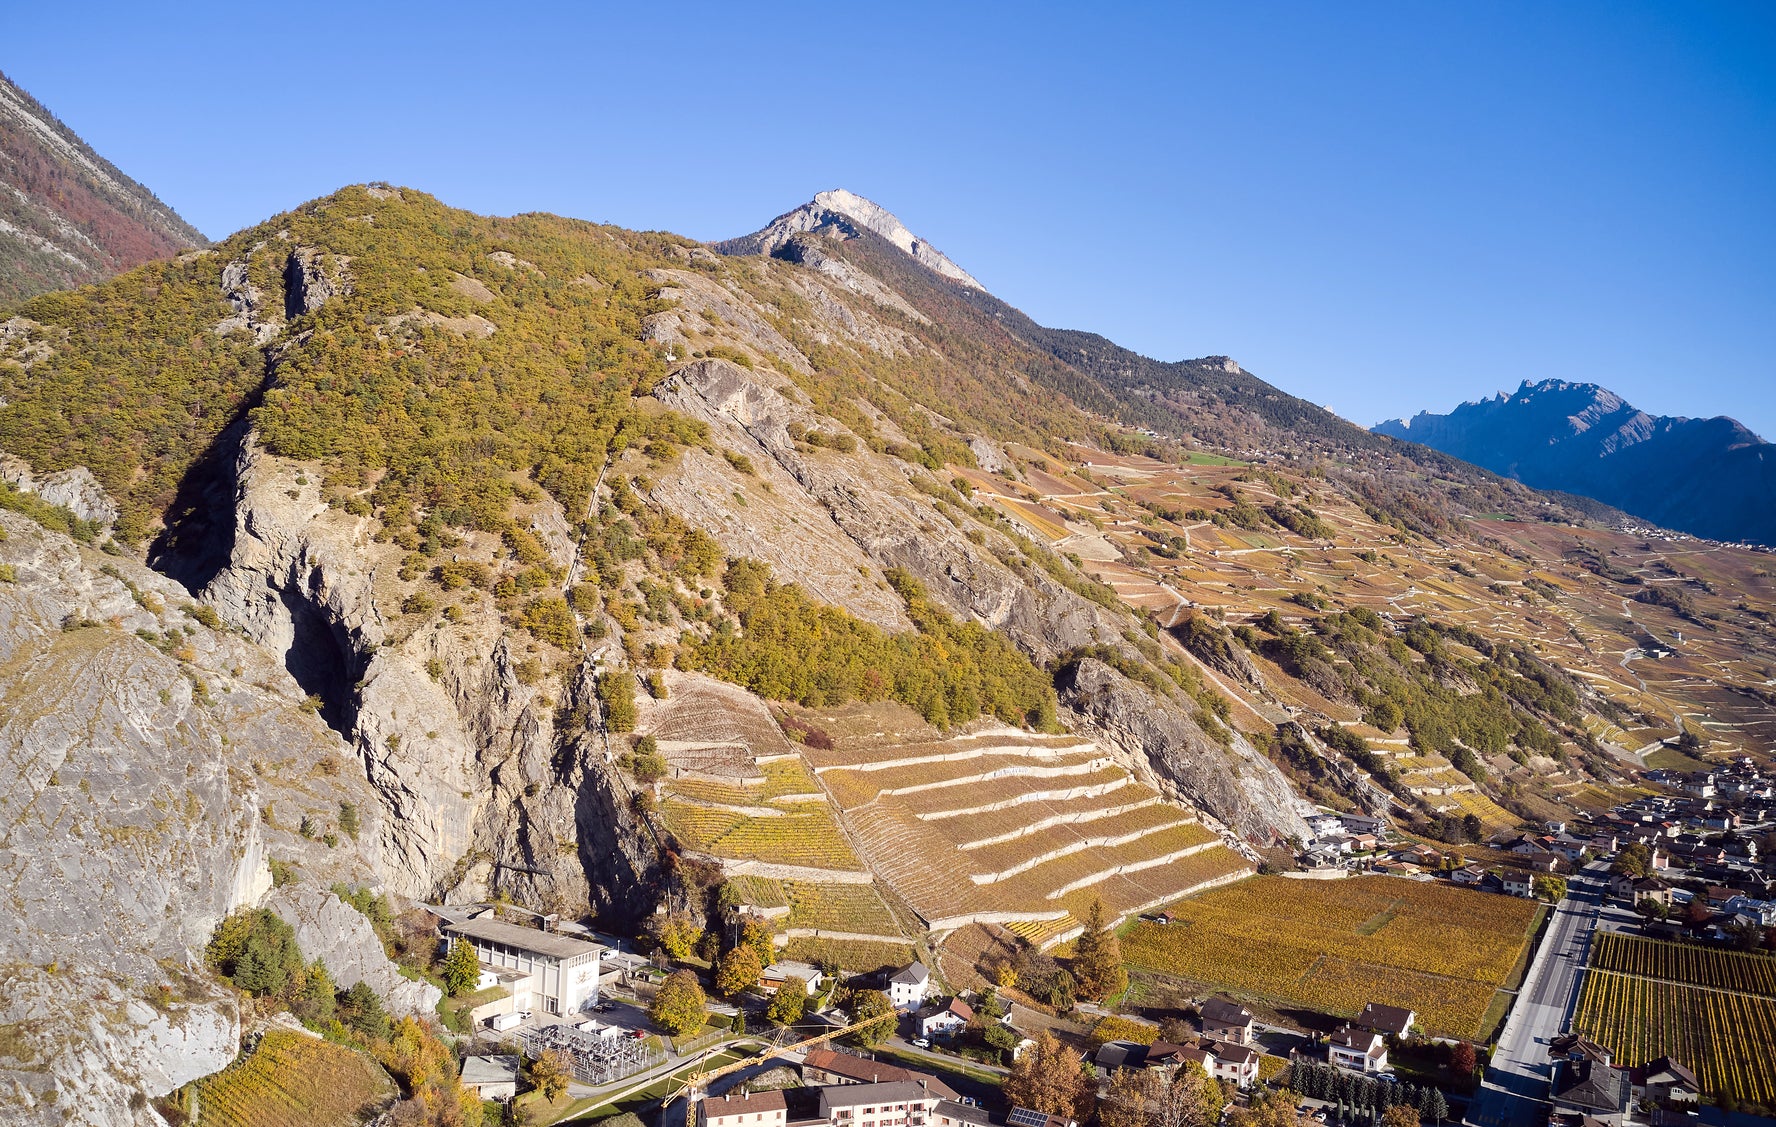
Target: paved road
column 1515, row 1091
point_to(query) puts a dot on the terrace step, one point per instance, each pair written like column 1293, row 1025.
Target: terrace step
column 1095, row 790
column 1066, row 817
column 1028, row 751
column 1101, row 841
column 1133, row 867
column 1008, row 772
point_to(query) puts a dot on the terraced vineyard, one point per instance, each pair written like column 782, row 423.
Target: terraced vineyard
column 1713, row 1010
column 807, row 838
column 1007, row 826
column 293, row 1080
column 1333, row 946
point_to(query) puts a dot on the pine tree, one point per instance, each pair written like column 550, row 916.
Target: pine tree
column 1438, row 1110
column 1097, row 957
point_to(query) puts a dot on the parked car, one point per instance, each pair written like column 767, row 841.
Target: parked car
column 922, row 1043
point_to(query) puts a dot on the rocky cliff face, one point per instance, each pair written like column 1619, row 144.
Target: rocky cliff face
column 1236, row 784
column 480, row 786
column 158, row 767
column 67, row 215
column 1710, row 477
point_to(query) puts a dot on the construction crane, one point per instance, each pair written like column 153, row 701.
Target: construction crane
column 697, row 1081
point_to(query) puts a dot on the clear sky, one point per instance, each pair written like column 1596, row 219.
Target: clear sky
column 1380, row 207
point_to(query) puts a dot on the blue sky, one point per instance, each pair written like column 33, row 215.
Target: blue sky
column 1380, row 207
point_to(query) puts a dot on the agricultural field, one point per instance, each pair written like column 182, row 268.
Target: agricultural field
column 850, row 954
column 805, row 834
column 1682, row 962
column 293, row 1080
column 1334, row 946
column 1713, row 1010
column 854, row 908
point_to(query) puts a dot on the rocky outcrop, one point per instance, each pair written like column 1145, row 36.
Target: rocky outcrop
column 483, row 780
column 157, row 767
column 333, row 931
column 869, row 499
column 1235, row 784
column 74, row 489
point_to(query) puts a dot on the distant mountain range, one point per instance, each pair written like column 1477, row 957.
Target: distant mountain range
column 1708, row 477
column 67, row 215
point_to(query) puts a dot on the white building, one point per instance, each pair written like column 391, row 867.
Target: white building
column 492, row 1078
column 1360, row 1050
column 908, row 986
column 557, row 974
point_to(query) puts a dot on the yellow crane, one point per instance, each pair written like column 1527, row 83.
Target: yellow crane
column 697, row 1081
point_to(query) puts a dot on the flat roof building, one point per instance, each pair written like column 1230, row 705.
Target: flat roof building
column 563, row 970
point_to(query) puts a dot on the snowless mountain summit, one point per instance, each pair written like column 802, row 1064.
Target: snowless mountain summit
column 842, row 213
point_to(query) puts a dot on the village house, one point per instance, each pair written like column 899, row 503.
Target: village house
column 947, row 1022
column 1666, row 1080
column 775, row 975
column 1590, row 1088
column 1360, row 1050
column 1471, row 875
column 1389, row 1021
column 908, row 986
column 898, row 1103
column 1234, row 1064
column 757, row 1109
column 1227, row 1021
column 824, row 1067
column 491, row 1077
column 1517, row 883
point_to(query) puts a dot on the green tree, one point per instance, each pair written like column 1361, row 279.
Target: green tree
column 1635, row 860
column 362, row 1010
column 679, row 936
column 1652, row 909
column 872, row 1006
column 462, row 968
column 316, row 1004
column 678, row 1006
column 757, row 934
column 791, row 999
column 1097, row 957
column 616, row 691
column 737, row 972
column 269, row 961
column 348, row 819
column 1547, row 887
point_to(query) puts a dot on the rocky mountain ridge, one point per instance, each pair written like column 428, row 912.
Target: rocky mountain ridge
column 67, row 215
column 445, row 492
column 1709, row 477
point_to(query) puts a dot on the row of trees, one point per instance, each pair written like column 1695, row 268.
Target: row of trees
column 1335, row 1085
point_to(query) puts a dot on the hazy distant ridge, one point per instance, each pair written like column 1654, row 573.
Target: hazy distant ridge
column 1710, row 477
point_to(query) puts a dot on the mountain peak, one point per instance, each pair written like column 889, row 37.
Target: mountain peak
column 843, row 214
